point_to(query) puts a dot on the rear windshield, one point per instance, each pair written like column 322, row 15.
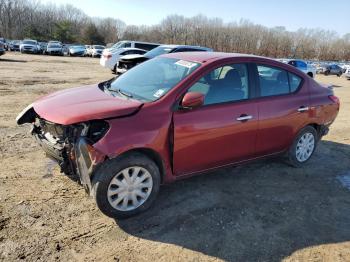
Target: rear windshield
column 160, row 50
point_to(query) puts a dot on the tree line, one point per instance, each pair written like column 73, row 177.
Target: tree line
column 21, row 19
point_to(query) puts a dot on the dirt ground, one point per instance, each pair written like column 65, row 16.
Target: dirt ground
column 265, row 211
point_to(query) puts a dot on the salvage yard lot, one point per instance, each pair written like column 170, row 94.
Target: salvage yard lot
column 265, row 211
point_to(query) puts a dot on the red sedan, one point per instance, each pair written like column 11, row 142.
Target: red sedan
column 178, row 115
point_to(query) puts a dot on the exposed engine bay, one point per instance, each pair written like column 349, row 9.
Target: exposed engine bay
column 69, row 145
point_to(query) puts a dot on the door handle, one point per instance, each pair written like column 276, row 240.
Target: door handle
column 303, row 109
column 244, row 118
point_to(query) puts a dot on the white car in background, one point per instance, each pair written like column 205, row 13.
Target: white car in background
column 96, row 50
column 347, row 73
column 110, row 58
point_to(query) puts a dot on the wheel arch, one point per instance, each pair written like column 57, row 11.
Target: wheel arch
column 152, row 154
column 317, row 127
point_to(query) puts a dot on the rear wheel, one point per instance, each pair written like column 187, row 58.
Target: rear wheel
column 326, row 73
column 126, row 186
column 303, row 147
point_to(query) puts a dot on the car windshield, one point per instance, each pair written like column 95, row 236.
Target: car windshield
column 99, row 47
column 54, row 45
column 78, row 47
column 152, row 79
column 28, row 42
column 117, row 45
column 160, row 50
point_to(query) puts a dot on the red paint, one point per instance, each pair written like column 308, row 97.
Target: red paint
column 81, row 104
column 191, row 141
column 193, row 100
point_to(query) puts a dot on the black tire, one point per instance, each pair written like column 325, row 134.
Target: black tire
column 291, row 154
column 114, row 70
column 109, row 170
column 326, row 73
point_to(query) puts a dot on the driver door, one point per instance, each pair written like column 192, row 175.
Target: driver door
column 223, row 130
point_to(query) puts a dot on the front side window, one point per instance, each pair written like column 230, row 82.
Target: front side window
column 224, row 84
column 275, row 81
column 152, row 79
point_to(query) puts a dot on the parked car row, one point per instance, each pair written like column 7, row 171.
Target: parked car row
column 53, row 48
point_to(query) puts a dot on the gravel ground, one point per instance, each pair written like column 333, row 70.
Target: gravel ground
column 264, row 211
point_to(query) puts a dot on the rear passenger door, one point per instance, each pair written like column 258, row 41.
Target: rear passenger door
column 283, row 106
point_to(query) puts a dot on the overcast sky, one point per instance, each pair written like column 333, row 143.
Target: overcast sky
column 293, row 14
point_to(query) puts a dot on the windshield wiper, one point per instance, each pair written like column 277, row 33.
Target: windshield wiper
column 124, row 93
column 119, row 91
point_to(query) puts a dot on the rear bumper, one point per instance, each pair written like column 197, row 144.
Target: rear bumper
column 107, row 63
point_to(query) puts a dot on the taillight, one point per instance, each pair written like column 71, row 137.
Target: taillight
column 108, row 55
column 334, row 98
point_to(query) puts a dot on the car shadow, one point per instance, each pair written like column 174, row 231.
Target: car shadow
column 261, row 211
column 12, row 60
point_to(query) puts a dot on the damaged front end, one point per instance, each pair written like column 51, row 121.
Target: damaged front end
column 71, row 146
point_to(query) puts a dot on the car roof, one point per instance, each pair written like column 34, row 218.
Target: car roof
column 185, row 46
column 127, row 48
column 202, row 57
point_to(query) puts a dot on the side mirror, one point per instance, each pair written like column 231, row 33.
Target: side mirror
column 192, row 100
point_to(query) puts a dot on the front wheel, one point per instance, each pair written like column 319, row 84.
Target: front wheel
column 303, row 147
column 126, row 186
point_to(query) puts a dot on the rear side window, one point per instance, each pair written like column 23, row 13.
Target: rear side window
column 275, row 81
column 294, row 82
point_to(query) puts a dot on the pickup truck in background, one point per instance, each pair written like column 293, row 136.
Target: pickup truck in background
column 303, row 66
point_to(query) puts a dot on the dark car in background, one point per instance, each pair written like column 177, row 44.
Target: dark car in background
column 330, row 70
column 2, row 48
column 14, row 45
column 129, row 61
column 5, row 43
column 43, row 46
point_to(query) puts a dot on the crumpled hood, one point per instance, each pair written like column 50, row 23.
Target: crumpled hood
column 81, row 104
